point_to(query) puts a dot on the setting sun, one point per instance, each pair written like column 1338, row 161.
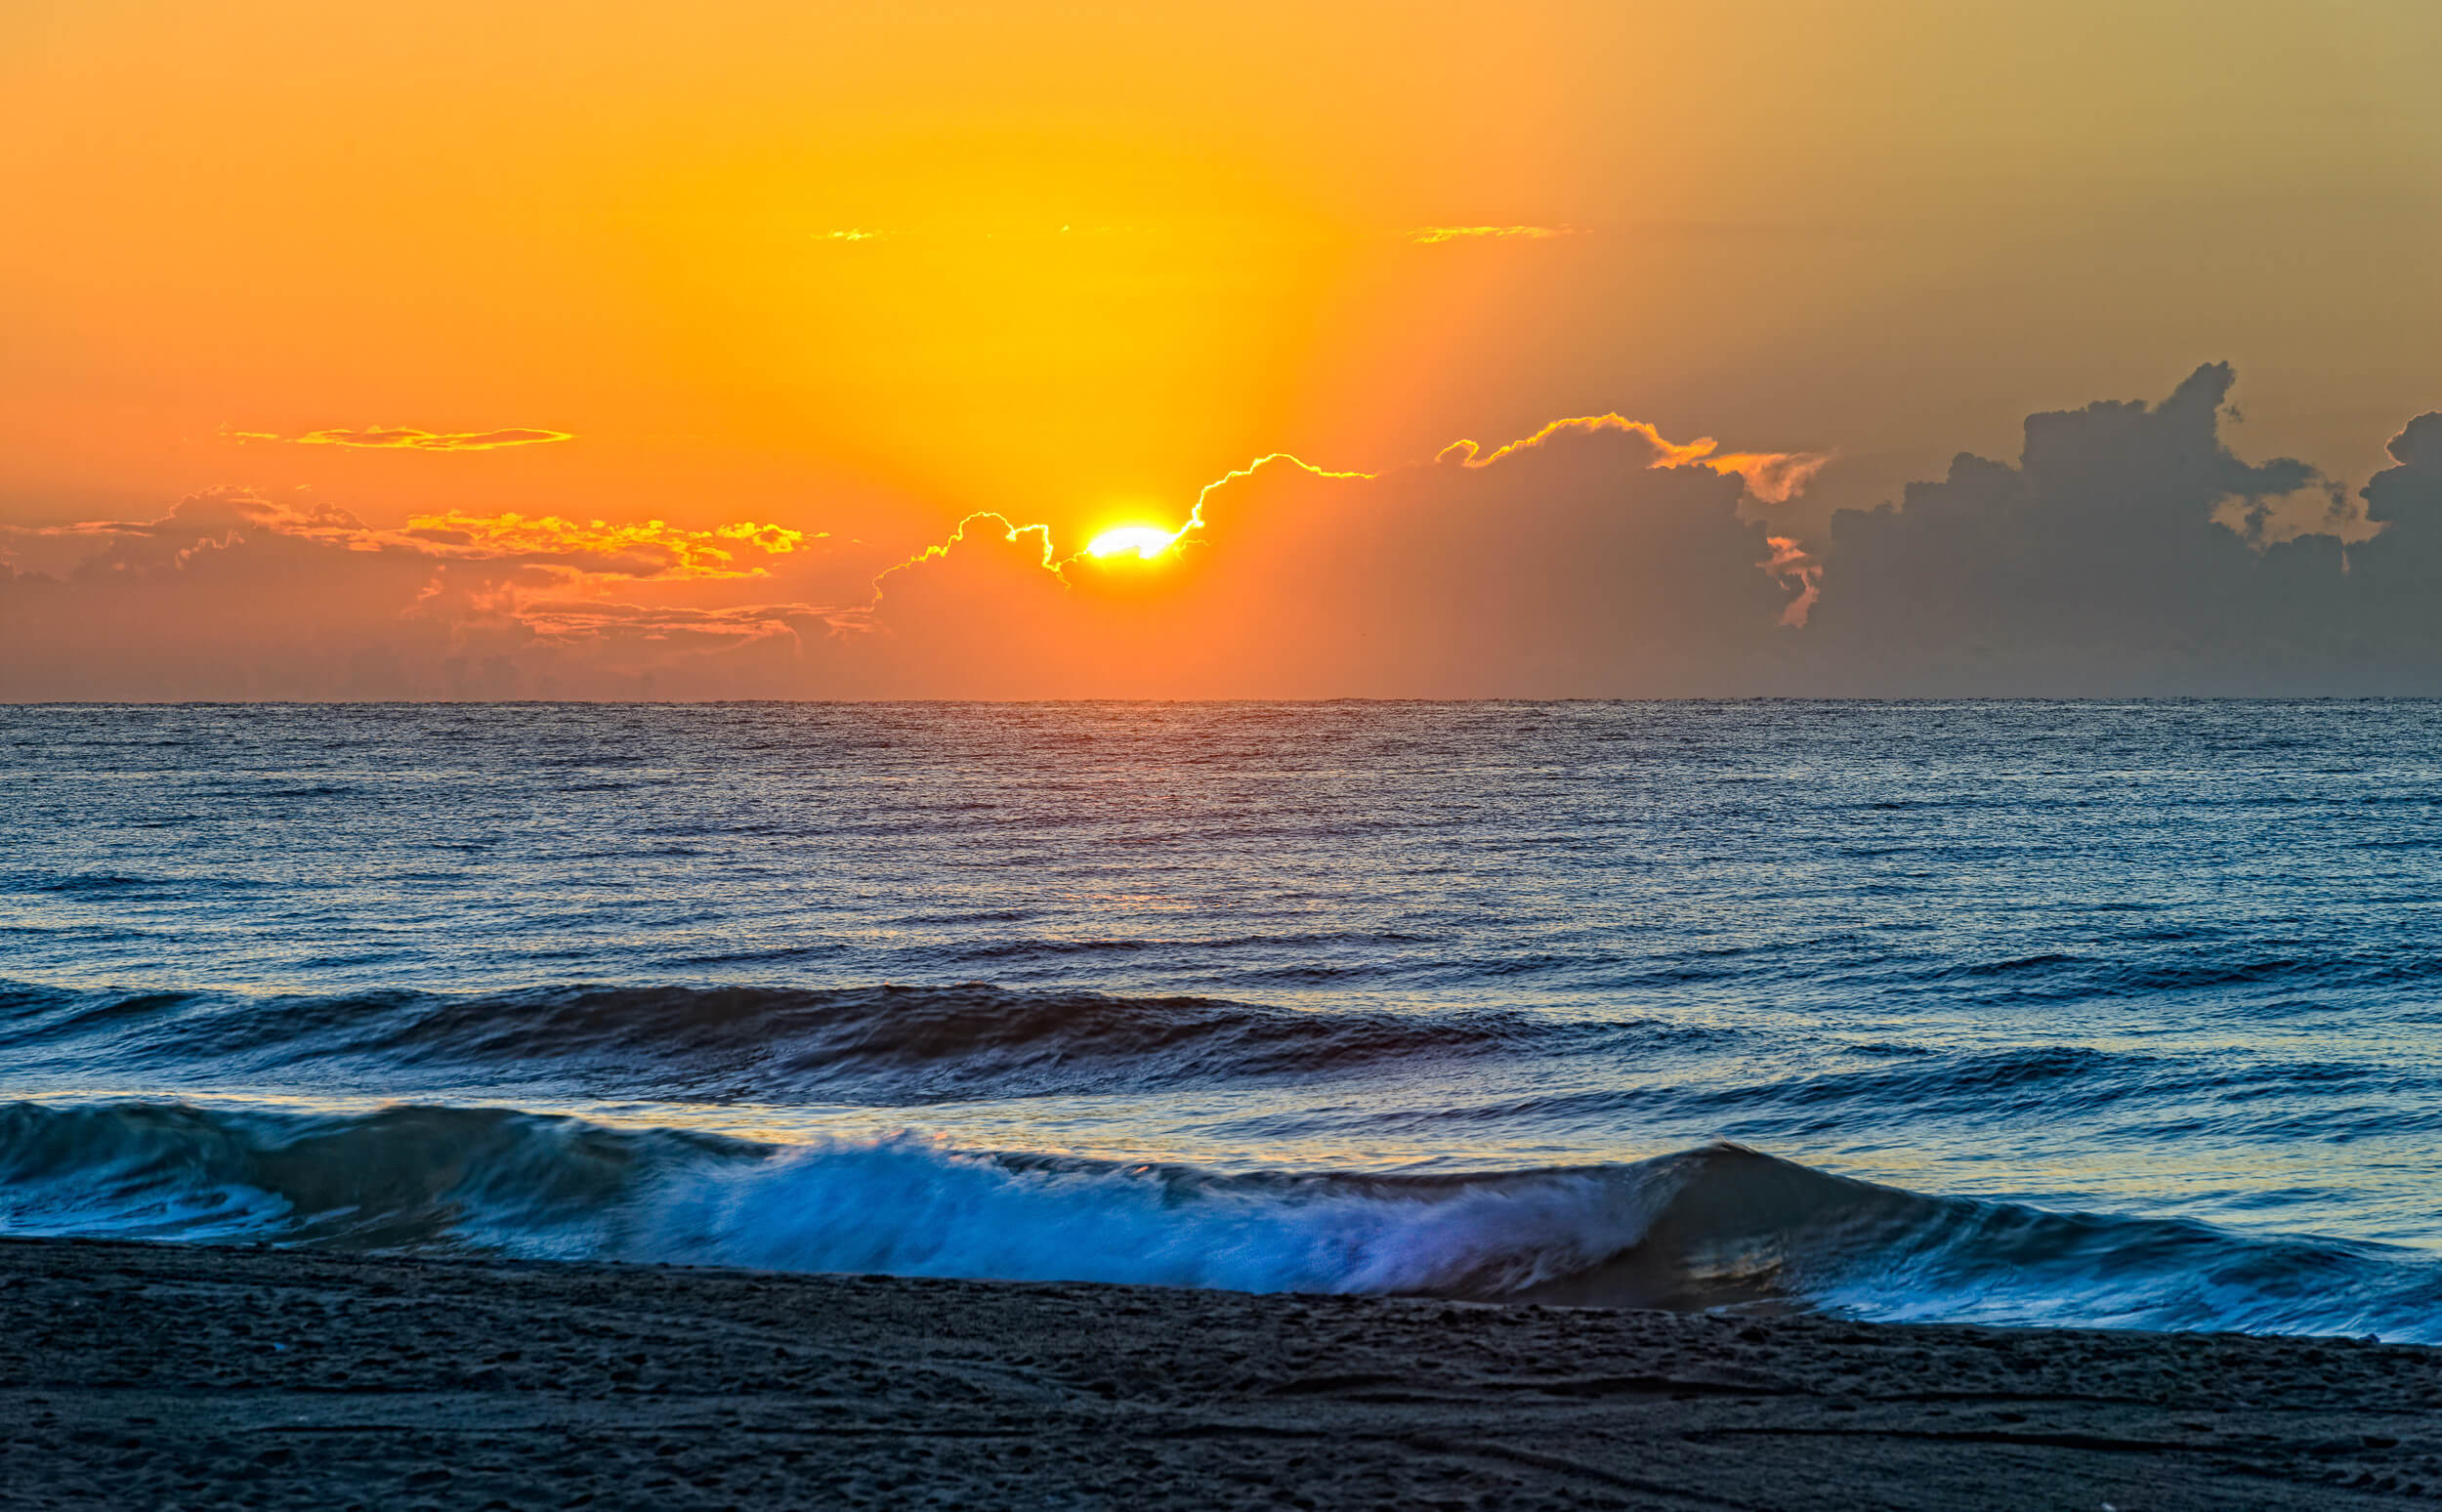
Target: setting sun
column 1147, row 541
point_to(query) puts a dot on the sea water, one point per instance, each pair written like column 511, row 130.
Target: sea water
column 2053, row 1013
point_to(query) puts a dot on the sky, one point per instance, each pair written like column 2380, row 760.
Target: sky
column 746, row 349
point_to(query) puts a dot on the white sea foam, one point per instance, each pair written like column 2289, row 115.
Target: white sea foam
column 913, row 1207
column 1712, row 1227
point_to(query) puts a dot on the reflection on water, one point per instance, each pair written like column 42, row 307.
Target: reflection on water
column 2171, row 961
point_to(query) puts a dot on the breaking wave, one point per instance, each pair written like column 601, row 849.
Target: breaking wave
column 1715, row 1227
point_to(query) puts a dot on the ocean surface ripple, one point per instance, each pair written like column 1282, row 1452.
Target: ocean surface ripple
column 2015, row 1012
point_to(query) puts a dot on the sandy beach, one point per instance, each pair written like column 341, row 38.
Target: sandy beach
column 136, row 1375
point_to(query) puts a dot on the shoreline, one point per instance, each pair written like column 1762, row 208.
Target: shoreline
column 185, row 1375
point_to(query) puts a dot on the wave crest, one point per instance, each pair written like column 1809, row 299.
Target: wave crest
column 1715, row 1227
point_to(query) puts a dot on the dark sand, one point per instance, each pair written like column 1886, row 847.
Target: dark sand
column 138, row 1376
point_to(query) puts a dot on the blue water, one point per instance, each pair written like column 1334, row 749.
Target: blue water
column 2116, row 1014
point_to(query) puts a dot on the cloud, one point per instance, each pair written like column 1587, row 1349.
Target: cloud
column 1021, row 232
column 401, row 438
column 1773, row 477
column 652, row 548
column 2394, row 586
column 579, row 620
column 232, row 595
column 2419, row 445
column 1574, row 565
column 2122, row 554
column 1434, row 235
column 2126, row 549
column 1791, row 562
column 1277, row 459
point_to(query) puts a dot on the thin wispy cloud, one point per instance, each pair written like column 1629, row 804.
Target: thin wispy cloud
column 598, row 552
column 963, row 234
column 1774, row 476
column 1431, row 236
column 409, row 438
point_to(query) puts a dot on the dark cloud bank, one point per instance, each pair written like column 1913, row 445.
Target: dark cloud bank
column 2126, row 551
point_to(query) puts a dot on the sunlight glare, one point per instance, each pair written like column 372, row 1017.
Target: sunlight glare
column 1147, row 541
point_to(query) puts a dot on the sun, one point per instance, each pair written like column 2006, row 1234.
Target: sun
column 1147, row 541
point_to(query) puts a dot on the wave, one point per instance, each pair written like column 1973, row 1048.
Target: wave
column 881, row 1044
column 2148, row 963
column 1716, row 1227
column 912, row 1046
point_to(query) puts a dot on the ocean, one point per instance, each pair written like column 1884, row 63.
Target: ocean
column 2119, row 1015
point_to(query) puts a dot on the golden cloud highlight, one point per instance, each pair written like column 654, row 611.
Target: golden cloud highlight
column 985, row 520
column 1773, row 477
column 406, row 439
column 977, row 535
column 657, row 549
column 1196, row 516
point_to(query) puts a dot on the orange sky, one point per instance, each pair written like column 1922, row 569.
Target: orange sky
column 860, row 272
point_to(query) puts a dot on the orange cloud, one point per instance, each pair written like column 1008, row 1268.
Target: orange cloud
column 1791, row 562
column 402, row 439
column 235, row 595
column 650, row 549
column 574, row 621
column 593, row 551
column 1774, row 476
